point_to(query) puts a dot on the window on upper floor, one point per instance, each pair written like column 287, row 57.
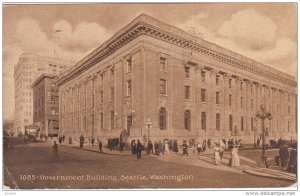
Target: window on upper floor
column 217, row 97
column 187, row 71
column 162, row 63
column 203, row 95
column 163, row 87
column 187, row 120
column 129, row 65
column 129, row 88
column 187, row 92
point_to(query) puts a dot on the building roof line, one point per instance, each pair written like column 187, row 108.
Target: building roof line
column 183, row 39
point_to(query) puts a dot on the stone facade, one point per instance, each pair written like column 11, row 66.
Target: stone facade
column 45, row 105
column 187, row 87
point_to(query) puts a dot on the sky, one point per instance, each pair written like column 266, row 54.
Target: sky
column 266, row 32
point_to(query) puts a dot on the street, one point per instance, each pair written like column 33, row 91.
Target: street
column 33, row 167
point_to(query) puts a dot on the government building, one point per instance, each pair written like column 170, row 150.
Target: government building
column 186, row 87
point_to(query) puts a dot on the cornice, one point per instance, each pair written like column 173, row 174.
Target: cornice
column 145, row 25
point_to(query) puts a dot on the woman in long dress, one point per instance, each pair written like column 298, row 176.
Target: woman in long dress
column 217, row 154
column 235, row 162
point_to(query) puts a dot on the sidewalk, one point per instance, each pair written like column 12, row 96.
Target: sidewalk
column 270, row 173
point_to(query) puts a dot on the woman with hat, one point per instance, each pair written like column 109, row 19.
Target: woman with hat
column 235, row 160
column 217, row 154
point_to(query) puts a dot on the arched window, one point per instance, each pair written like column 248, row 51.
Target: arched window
column 230, row 123
column 203, row 121
column 162, row 118
column 187, row 120
column 218, row 121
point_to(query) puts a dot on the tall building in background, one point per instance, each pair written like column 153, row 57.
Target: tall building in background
column 45, row 105
column 26, row 71
column 186, row 87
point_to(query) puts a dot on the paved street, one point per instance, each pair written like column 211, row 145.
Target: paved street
column 33, row 166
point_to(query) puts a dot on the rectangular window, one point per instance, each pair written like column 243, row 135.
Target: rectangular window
column 217, row 97
column 129, row 122
column 163, row 87
column 242, row 84
column 230, row 100
column 203, row 95
column 128, row 88
column 218, row 121
column 129, row 65
column 217, row 79
column 242, row 100
column 230, row 83
column 242, row 123
column 203, row 121
column 187, row 92
column 162, row 62
column 187, row 72
column 112, row 119
column 101, row 96
column 112, row 94
column 101, row 120
column 252, row 124
column 203, row 76
column 112, row 73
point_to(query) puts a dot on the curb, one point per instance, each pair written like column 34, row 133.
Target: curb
column 276, row 175
column 96, row 151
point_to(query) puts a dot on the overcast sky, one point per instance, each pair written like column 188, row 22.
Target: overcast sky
column 265, row 32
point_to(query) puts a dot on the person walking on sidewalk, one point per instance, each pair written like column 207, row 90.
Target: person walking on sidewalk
column 55, row 151
column 185, row 148
column 284, row 156
column 139, row 148
column 81, row 140
column 100, row 146
column 204, row 145
column 217, row 154
column 235, row 160
column 222, row 149
column 198, row 147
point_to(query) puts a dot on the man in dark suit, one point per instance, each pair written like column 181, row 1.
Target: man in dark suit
column 139, row 148
column 284, row 156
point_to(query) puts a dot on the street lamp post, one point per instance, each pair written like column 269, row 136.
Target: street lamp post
column 148, row 124
column 263, row 114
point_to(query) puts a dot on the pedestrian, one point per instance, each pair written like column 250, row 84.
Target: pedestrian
column 63, row 138
column 208, row 143
column 167, row 150
column 150, row 148
column 122, row 145
column 139, row 148
column 55, row 151
column 217, row 154
column 284, row 156
column 70, row 140
column 132, row 146
column 204, row 145
column 198, row 147
column 100, row 146
column 170, row 145
column 175, row 146
column 185, row 148
column 81, row 141
column 156, row 148
column 257, row 142
column 160, row 147
column 222, row 149
column 235, row 160
column 292, row 166
column 93, row 141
